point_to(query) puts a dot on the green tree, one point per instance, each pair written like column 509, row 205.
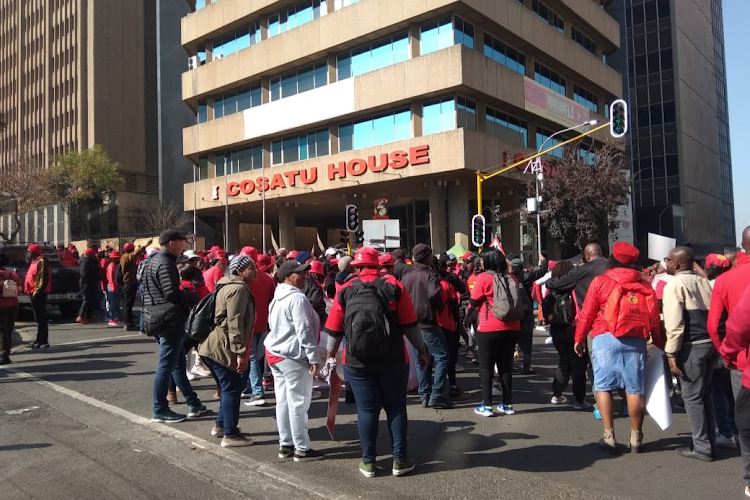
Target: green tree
column 582, row 196
column 80, row 179
column 19, row 190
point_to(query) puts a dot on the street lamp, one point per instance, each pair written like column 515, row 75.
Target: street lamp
column 540, row 177
column 667, row 208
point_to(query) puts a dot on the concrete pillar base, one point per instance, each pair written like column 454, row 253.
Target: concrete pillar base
column 287, row 228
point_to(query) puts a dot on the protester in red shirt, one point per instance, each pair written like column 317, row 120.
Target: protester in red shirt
column 451, row 288
column 617, row 359
column 496, row 339
column 113, row 289
column 8, row 309
column 214, row 273
column 378, row 383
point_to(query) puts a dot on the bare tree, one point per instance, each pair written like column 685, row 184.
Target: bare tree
column 19, row 190
column 3, row 121
column 154, row 220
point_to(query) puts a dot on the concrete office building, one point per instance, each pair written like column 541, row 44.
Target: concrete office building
column 316, row 104
column 672, row 60
column 83, row 72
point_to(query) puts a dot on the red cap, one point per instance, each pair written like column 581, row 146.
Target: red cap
column 552, row 264
column 292, row 254
column 467, row 256
column 317, row 267
column 718, row 260
column 387, row 260
column 251, row 252
column 115, row 255
column 36, row 248
column 334, row 262
column 366, row 257
column 625, row 252
column 265, row 262
column 128, row 247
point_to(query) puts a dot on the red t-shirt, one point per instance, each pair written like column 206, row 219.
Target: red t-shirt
column 211, row 276
column 262, row 291
column 444, row 317
column 483, row 290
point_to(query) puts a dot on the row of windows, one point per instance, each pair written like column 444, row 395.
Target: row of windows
column 548, row 16
column 507, row 128
column 549, row 78
column 585, row 98
column 445, row 32
column 583, row 40
column 239, row 160
column 236, row 41
column 302, row 80
column 300, row 147
column 375, row 130
column 296, row 15
column 501, row 53
column 388, row 52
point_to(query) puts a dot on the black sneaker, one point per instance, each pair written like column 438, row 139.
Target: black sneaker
column 424, row 403
column 44, row 346
column 33, row 345
column 307, row 456
column 441, row 404
column 130, row 328
column 286, row 452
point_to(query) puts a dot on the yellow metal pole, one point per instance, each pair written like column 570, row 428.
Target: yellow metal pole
column 480, row 179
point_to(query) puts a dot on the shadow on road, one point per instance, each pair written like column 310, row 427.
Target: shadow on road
column 19, row 447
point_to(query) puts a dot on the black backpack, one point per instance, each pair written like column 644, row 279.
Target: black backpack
column 559, row 309
column 367, row 320
column 202, row 318
column 119, row 276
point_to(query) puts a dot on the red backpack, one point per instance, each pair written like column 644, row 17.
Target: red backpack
column 628, row 310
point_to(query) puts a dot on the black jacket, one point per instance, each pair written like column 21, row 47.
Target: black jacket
column 579, row 278
column 160, row 284
column 527, row 278
column 314, row 292
column 423, row 285
column 91, row 273
column 400, row 268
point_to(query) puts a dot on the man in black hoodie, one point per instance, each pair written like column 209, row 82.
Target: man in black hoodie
column 423, row 285
column 527, row 279
column 580, row 278
column 400, row 268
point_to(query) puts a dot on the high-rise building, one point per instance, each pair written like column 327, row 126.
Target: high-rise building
column 304, row 107
column 672, row 61
column 76, row 73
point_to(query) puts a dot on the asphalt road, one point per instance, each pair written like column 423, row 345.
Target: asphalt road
column 90, row 438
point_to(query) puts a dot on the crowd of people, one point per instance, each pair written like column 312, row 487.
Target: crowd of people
column 270, row 310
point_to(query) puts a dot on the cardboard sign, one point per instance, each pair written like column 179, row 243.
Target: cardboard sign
column 659, row 246
column 333, row 403
column 658, row 405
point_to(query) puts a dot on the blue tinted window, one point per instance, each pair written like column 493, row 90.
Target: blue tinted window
column 436, row 35
column 232, row 102
column 378, row 55
column 202, row 114
column 296, row 15
column 586, row 98
column 507, row 128
column 501, row 53
column 199, row 4
column 464, row 32
column 239, row 160
column 549, row 16
column 236, row 41
column 202, row 168
column 218, row 107
column 380, row 129
column 301, row 80
column 439, row 116
column 542, row 139
column 549, row 78
column 466, row 113
column 585, row 42
column 300, row 147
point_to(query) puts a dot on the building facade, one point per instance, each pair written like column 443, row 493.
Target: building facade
column 672, row 59
column 81, row 72
column 304, row 107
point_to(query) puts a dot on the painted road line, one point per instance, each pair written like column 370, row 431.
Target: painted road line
column 267, row 469
column 89, row 341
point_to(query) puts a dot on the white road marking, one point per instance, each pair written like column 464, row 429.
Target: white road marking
column 266, row 469
column 89, row 341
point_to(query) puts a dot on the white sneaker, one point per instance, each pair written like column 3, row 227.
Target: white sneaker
column 726, row 442
column 548, row 340
column 201, row 372
column 190, row 375
column 559, row 400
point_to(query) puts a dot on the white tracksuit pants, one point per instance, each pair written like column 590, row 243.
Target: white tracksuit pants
column 293, row 392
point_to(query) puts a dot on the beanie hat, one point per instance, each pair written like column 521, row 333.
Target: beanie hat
column 345, row 262
column 625, row 253
column 239, row 264
column 302, row 257
column 421, row 252
column 718, row 260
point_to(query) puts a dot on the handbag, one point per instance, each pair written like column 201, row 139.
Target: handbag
column 163, row 319
column 10, row 287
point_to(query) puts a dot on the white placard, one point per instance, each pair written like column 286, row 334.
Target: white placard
column 659, row 246
column 658, row 405
column 382, row 233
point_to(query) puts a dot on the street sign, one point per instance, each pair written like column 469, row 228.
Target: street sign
column 477, row 230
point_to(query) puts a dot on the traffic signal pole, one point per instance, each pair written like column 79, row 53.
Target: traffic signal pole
column 481, row 176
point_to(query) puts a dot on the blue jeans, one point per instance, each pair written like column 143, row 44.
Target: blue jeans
column 724, row 403
column 434, row 341
column 375, row 389
column 113, row 305
column 172, row 366
column 257, row 358
column 230, row 382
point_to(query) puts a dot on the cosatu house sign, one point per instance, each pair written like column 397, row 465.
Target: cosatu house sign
column 396, row 160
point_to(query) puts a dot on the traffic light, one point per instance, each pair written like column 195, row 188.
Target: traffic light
column 352, row 218
column 477, row 230
column 345, row 237
column 359, row 237
column 618, row 118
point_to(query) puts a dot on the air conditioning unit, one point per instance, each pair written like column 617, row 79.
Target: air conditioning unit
column 192, row 62
column 216, row 57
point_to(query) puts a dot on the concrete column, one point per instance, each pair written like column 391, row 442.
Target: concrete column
column 414, row 41
column 416, row 118
column 333, row 132
column 438, row 225
column 459, row 214
column 233, row 242
column 265, row 90
column 332, row 73
column 482, row 117
column 287, row 228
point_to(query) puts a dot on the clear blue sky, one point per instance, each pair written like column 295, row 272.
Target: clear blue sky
column 736, row 14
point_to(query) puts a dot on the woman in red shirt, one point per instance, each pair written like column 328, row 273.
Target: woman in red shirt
column 113, row 290
column 8, row 309
column 618, row 352
column 496, row 339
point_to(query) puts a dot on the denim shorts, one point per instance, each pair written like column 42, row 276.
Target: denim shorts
column 619, row 363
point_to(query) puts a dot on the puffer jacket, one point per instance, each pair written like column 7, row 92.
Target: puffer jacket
column 591, row 317
column 91, row 273
column 160, row 284
column 235, row 316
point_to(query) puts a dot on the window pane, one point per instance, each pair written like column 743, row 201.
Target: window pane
column 245, row 159
column 363, row 134
column 243, row 100
column 218, row 108
column 383, row 129
column 381, row 55
column 445, row 33
column 288, row 85
column 303, row 152
column 291, row 149
column 321, row 75
column 321, row 143
column 202, row 112
column 400, row 49
column 230, row 104
column 346, row 137
column 306, row 80
column 361, row 61
column 447, row 115
column 221, row 161
column 276, row 157
column 431, row 118
column 243, row 39
column 255, row 96
column 402, row 125
column 275, row 89
column 428, row 41
column 257, row 157
column 344, row 67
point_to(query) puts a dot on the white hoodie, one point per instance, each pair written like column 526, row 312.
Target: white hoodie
column 293, row 326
